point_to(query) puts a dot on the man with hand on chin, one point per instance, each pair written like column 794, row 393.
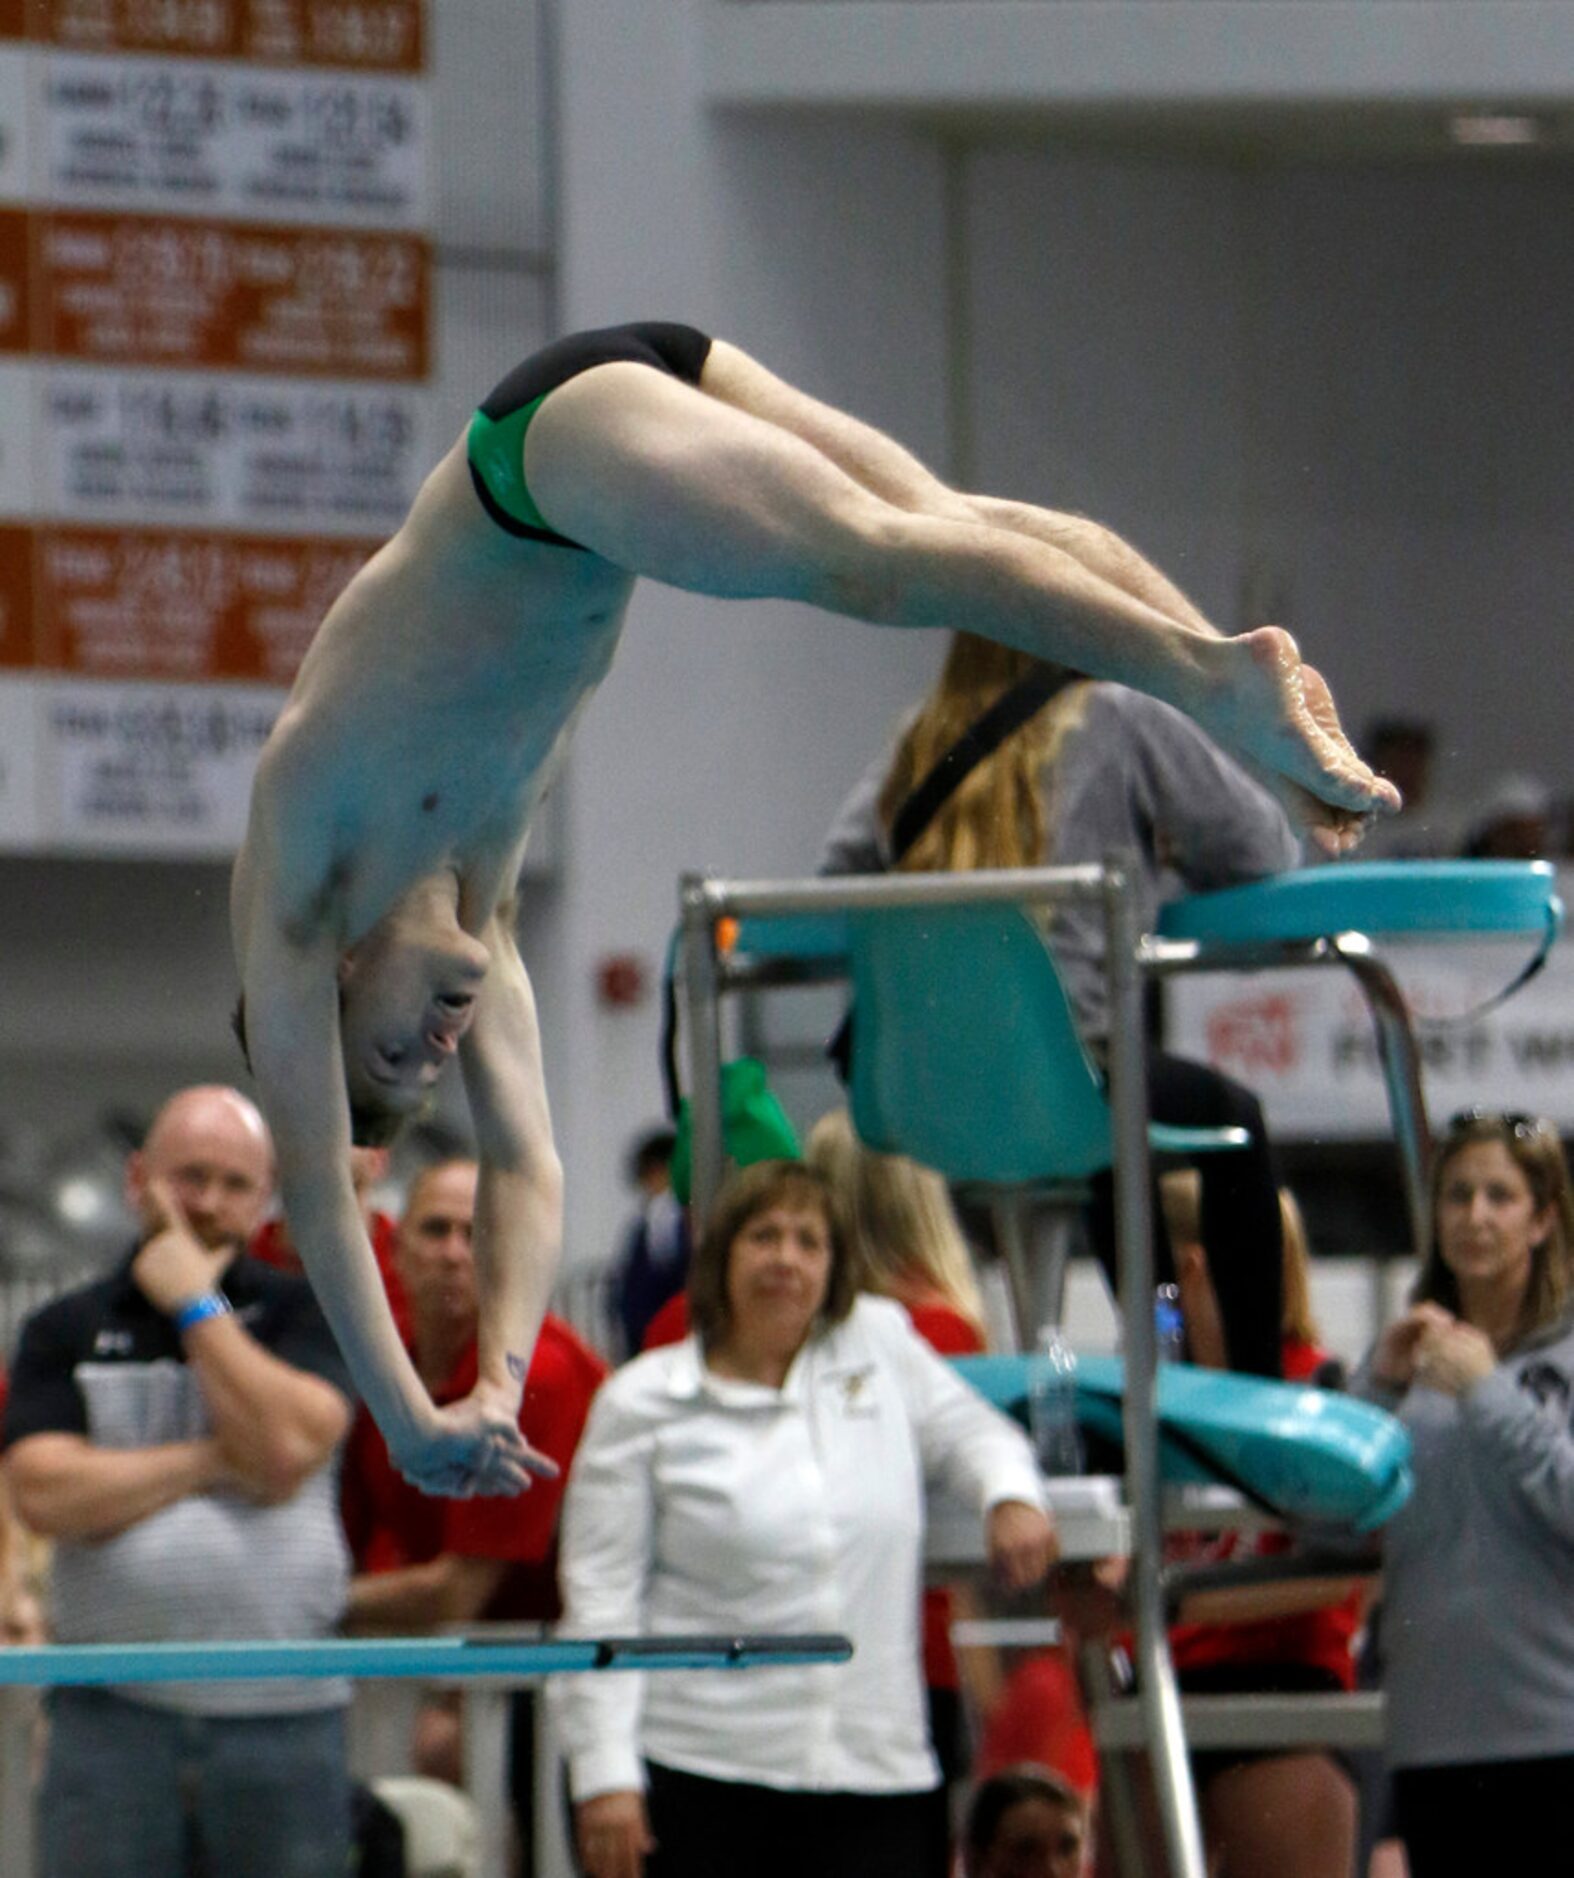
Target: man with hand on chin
column 172, row 1427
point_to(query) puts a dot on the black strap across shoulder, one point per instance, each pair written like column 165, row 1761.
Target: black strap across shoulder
column 982, row 738
column 1009, row 712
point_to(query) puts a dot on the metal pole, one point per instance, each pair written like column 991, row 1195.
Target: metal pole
column 1007, row 886
column 1401, row 1061
column 1128, row 1095
column 484, row 1740
column 701, row 1018
column 18, row 1714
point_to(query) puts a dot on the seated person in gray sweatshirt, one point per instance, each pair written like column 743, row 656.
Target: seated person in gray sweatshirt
column 1478, row 1626
column 1094, row 767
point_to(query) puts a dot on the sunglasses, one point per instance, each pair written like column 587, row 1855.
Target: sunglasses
column 1521, row 1126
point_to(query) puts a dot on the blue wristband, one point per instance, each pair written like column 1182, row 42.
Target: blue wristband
column 199, row 1309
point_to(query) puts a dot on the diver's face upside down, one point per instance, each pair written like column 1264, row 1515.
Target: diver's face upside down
column 408, row 995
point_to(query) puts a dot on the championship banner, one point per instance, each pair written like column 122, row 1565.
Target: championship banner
column 141, row 604
column 338, row 303
column 380, row 35
column 233, row 452
column 215, row 338
column 147, row 769
column 230, row 140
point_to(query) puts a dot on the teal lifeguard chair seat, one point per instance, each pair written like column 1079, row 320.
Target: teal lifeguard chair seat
column 1417, row 899
column 966, row 1058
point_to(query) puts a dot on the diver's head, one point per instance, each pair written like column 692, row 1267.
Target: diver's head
column 407, row 996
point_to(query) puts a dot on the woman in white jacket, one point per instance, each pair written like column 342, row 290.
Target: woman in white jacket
column 768, row 1474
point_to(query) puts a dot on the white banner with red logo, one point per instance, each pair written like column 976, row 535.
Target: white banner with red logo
column 1304, row 1041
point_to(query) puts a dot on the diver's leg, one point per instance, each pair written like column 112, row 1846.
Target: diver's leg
column 663, row 479
column 882, row 465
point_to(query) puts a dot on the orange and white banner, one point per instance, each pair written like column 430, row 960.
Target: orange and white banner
column 293, row 456
column 215, row 316
column 157, row 290
column 167, row 604
column 149, row 769
column 368, row 35
column 230, row 140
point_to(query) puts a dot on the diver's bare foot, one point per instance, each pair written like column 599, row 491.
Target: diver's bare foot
column 1278, row 715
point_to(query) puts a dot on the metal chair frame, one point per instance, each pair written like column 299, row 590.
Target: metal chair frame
column 1154, row 1719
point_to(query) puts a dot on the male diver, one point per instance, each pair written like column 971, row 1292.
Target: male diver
column 373, row 896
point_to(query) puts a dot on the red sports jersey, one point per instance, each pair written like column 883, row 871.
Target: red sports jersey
column 669, row 1325
column 391, row 1524
column 945, row 1329
column 1040, row 1719
column 271, row 1243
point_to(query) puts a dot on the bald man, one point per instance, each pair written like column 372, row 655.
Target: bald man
column 373, row 896
column 172, row 1427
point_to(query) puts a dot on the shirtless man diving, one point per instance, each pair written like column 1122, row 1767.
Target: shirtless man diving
column 373, row 896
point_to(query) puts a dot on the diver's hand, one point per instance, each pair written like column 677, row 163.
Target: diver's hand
column 472, row 1448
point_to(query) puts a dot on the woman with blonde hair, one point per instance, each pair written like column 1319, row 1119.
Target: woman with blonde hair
column 1013, row 763
column 910, row 1244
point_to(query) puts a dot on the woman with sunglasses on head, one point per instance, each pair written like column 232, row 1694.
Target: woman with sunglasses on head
column 1479, row 1622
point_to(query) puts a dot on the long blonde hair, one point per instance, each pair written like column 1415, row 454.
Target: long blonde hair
column 909, row 1244
column 996, row 817
column 1180, row 1196
column 1297, row 1320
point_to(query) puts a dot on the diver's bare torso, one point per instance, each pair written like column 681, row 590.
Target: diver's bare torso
column 426, row 718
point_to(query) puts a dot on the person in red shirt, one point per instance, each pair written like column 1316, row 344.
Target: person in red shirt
column 669, row 1325
column 273, row 1245
column 422, row 1562
column 1277, row 1814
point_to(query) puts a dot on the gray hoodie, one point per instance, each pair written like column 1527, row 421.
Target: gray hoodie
column 1133, row 774
column 1478, row 1571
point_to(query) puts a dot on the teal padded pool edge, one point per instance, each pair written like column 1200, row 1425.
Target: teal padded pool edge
column 1314, row 1457
column 1416, row 898
column 96, row 1665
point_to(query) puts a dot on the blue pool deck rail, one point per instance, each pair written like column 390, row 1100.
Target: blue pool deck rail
column 99, row 1665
